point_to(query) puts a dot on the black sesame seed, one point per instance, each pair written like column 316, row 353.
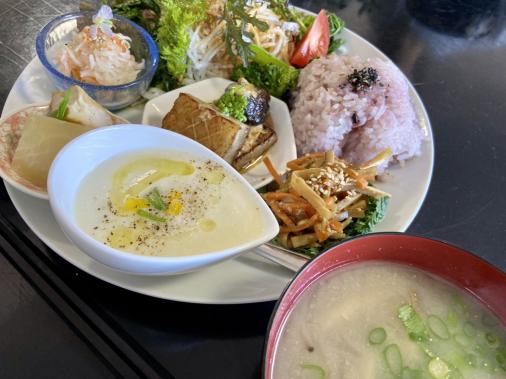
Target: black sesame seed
column 362, row 80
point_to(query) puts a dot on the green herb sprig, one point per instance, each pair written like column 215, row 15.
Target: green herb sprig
column 237, row 37
column 156, row 201
column 150, row 216
column 62, row 108
column 336, row 26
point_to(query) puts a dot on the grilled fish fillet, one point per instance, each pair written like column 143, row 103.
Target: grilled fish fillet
column 205, row 124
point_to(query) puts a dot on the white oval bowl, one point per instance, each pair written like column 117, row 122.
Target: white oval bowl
column 85, row 153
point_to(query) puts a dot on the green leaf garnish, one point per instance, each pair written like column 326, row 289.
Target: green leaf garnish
column 156, row 201
column 336, row 26
column 413, row 323
column 237, row 38
column 377, row 336
column 62, row 109
column 150, row 216
column 393, row 359
column 376, row 209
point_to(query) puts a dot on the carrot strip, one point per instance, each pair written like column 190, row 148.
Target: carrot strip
column 281, row 215
column 336, row 225
column 272, row 170
column 307, row 157
column 298, row 164
column 297, row 228
column 369, row 178
column 282, row 196
column 321, row 235
column 294, row 167
column 293, row 192
column 331, row 203
column 293, row 207
column 361, row 182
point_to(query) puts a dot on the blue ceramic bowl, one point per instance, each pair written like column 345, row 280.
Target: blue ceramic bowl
column 112, row 97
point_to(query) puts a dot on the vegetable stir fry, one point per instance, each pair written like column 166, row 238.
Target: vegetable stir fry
column 323, row 199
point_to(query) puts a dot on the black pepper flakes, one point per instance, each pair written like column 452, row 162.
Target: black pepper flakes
column 362, row 80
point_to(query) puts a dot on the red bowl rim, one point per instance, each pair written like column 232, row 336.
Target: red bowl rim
column 411, row 237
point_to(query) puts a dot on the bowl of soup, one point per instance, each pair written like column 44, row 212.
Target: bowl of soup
column 390, row 306
column 144, row 200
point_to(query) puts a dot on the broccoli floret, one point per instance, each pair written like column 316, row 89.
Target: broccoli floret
column 245, row 102
column 266, row 71
column 233, row 103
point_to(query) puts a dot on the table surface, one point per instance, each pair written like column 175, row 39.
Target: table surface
column 56, row 321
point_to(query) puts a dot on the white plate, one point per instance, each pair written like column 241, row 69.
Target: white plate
column 210, row 90
column 245, row 279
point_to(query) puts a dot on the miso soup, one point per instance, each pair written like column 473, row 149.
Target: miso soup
column 383, row 320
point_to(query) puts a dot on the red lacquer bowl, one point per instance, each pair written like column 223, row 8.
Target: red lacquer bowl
column 465, row 270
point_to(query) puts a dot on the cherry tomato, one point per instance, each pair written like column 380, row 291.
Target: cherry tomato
column 315, row 42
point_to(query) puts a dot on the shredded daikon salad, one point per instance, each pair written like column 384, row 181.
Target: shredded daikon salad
column 207, row 53
column 97, row 55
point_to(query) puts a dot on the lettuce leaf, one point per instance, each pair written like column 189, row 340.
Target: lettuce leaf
column 172, row 36
column 146, row 13
column 168, row 22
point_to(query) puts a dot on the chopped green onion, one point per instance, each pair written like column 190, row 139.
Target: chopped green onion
column 409, row 373
column 452, row 320
column 393, row 359
column 469, row 329
column 460, row 305
column 501, row 358
column 492, row 339
column 156, row 201
column 471, row 360
column 427, row 350
column 377, row 336
column 481, row 349
column 462, row 340
column 438, row 368
column 62, row 109
column 489, row 320
column 318, row 371
column 438, row 327
column 150, row 216
column 413, row 323
column 459, row 359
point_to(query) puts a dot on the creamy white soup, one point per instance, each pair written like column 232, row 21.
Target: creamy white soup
column 382, row 320
column 166, row 204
